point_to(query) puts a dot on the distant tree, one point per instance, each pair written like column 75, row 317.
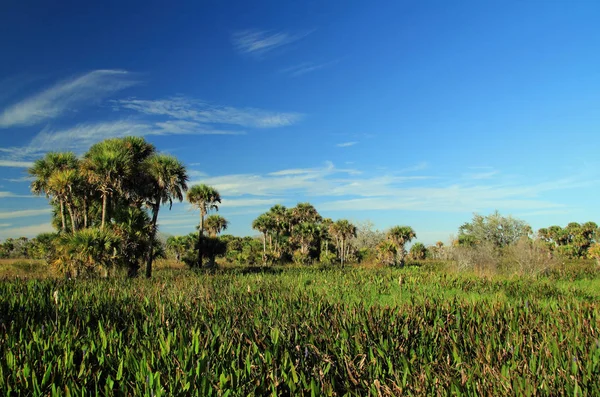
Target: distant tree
column 342, row 230
column 205, row 198
column 215, row 224
column 178, row 245
column 418, row 251
column 497, row 230
column 400, row 236
column 265, row 223
column 386, row 253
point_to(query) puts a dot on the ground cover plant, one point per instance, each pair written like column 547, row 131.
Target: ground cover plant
column 302, row 331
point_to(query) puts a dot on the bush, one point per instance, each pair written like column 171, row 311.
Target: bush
column 594, row 252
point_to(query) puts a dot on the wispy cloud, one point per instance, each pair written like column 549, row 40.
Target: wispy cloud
column 82, row 136
column 400, row 190
column 306, row 67
column 11, row 194
column 26, row 231
column 253, row 41
column 23, row 213
column 20, row 180
column 346, row 144
column 15, row 164
column 182, row 108
column 62, row 97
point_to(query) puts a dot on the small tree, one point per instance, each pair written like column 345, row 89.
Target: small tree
column 498, row 230
column 205, row 198
column 399, row 236
column 418, row 251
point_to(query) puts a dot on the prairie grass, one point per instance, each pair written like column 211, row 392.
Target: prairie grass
column 301, row 331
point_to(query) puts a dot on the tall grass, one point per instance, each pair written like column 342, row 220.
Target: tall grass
column 301, row 332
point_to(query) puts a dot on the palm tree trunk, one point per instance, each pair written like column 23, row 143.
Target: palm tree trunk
column 342, row 253
column 264, row 248
column 104, row 200
column 85, row 213
column 62, row 215
column 155, row 209
column 72, row 215
column 200, row 233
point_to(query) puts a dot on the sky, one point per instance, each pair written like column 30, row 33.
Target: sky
column 415, row 113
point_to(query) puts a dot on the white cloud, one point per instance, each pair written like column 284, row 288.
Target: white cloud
column 254, row 41
column 26, row 231
column 15, row 164
column 62, row 97
column 82, row 136
column 248, row 202
column 306, row 67
column 11, row 194
column 20, row 180
column 182, row 108
column 5, row 225
column 346, row 144
column 23, row 213
column 393, row 191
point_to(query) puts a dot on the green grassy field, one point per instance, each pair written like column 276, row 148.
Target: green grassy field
column 303, row 331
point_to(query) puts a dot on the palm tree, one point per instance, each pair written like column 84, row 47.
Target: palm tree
column 178, row 245
column 115, row 166
column 63, row 183
column 106, row 165
column 279, row 215
column 343, row 231
column 215, row 224
column 303, row 212
column 400, row 236
column 169, row 181
column 386, row 252
column 43, row 169
column 205, row 198
column 264, row 223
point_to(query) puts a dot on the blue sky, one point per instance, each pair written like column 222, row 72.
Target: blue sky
column 400, row 112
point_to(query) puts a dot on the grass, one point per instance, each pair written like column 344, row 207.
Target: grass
column 302, row 331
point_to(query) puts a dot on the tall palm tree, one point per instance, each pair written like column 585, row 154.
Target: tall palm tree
column 43, row 169
column 303, row 212
column 168, row 179
column 205, row 198
column 63, row 184
column 264, row 223
column 343, row 230
column 215, row 224
column 279, row 214
column 400, row 236
column 107, row 165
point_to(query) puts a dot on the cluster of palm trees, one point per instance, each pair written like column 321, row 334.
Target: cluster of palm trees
column 106, row 203
column 106, row 206
column 301, row 234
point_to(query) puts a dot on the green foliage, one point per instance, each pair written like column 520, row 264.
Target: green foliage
column 573, row 241
column 87, row 252
column 418, row 251
column 304, row 332
column 494, row 229
column 594, row 252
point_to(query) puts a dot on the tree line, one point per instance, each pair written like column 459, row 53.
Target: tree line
column 106, row 205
